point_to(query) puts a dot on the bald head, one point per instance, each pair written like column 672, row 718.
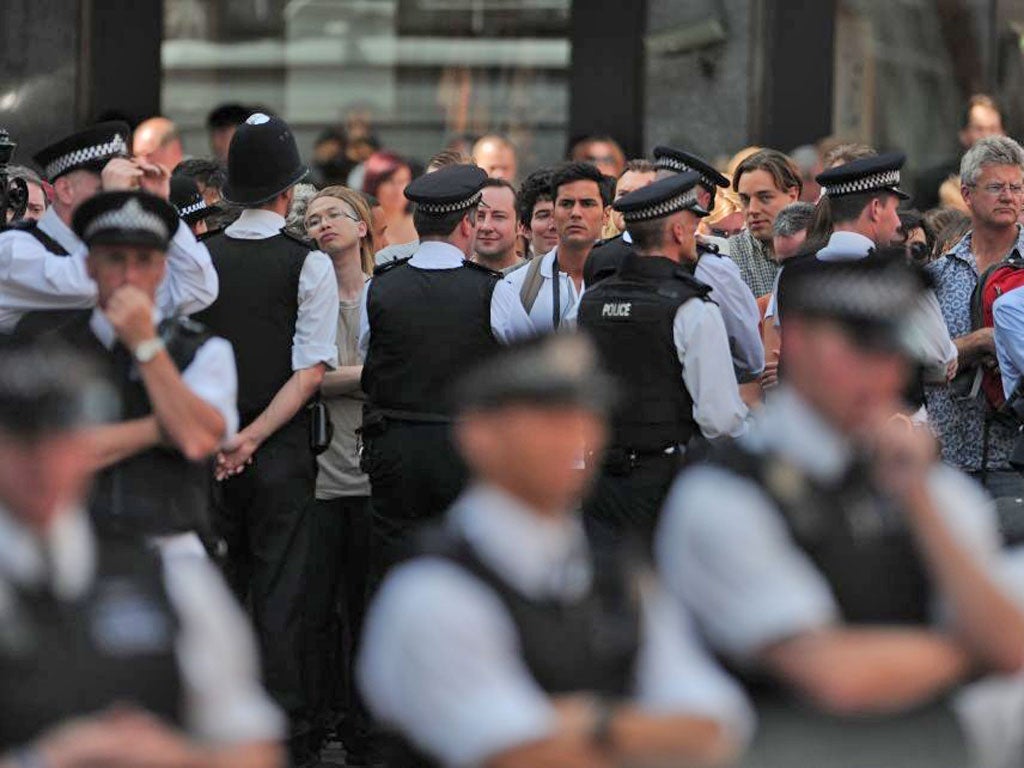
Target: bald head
column 156, row 140
column 497, row 156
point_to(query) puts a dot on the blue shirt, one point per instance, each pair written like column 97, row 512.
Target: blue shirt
column 960, row 423
column 1008, row 317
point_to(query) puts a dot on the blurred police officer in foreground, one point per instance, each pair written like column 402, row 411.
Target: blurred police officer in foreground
column 664, row 340
column 106, row 657
column 831, row 557
column 278, row 306
column 176, row 382
column 425, row 320
column 508, row 642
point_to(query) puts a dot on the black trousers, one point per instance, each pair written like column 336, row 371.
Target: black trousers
column 336, row 591
column 415, row 475
column 263, row 517
column 625, row 503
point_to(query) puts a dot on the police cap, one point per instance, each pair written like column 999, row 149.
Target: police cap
column 868, row 174
column 661, row 198
column 126, row 218
column 86, row 150
column 672, row 159
column 447, row 190
column 554, row 370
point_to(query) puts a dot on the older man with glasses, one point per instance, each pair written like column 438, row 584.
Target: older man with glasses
column 992, row 183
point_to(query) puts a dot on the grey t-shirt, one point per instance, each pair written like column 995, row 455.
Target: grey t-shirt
column 339, row 465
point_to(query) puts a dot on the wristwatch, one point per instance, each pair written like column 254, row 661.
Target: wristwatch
column 148, row 349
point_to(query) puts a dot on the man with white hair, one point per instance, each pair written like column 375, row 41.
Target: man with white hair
column 992, row 183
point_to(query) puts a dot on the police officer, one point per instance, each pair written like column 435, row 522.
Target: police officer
column 32, row 277
column 508, row 641
column 105, row 657
column 712, row 267
column 665, row 341
column 191, row 205
column 829, row 551
column 424, row 320
column 278, row 306
column 860, row 200
column 177, row 384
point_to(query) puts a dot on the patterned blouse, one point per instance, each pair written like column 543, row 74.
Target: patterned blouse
column 960, row 423
column 757, row 267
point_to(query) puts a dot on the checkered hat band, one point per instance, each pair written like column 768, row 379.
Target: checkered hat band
column 664, row 208
column 671, row 164
column 879, row 296
column 113, row 148
column 196, row 207
column 882, row 180
column 132, row 217
column 440, row 209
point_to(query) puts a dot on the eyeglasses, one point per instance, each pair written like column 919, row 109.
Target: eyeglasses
column 315, row 221
column 598, row 159
column 997, row 189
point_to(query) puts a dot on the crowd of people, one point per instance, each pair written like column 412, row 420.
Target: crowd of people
column 617, row 462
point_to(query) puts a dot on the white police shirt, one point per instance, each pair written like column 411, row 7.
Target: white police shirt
column 211, row 375
column 508, row 318
column 316, row 325
column 32, row 278
column 542, row 313
column 440, row 655
column 1008, row 319
column 737, row 302
column 935, row 347
column 224, row 701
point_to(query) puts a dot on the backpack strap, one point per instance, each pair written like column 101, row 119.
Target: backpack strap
column 531, row 284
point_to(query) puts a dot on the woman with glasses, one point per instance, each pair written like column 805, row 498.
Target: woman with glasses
column 339, row 220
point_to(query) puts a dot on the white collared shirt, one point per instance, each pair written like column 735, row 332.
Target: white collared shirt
column 224, row 701
column 543, row 309
column 508, row 319
column 441, row 659
column 32, row 278
column 211, row 375
column 726, row 553
column 1008, row 321
column 739, row 312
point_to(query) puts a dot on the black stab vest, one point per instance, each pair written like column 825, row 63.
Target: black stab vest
column 256, row 310
column 427, row 327
column 630, row 317
column 586, row 646
column 114, row 645
column 156, row 492
column 854, row 534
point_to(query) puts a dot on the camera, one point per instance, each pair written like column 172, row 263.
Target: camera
column 13, row 193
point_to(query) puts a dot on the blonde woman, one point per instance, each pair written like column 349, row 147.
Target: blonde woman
column 339, row 219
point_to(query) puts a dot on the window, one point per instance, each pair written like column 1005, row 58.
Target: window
column 409, row 73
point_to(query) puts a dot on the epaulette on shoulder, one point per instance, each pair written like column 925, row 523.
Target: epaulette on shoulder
column 607, row 241
column 296, row 239
column 387, row 266
column 709, row 248
column 684, row 275
column 482, row 268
